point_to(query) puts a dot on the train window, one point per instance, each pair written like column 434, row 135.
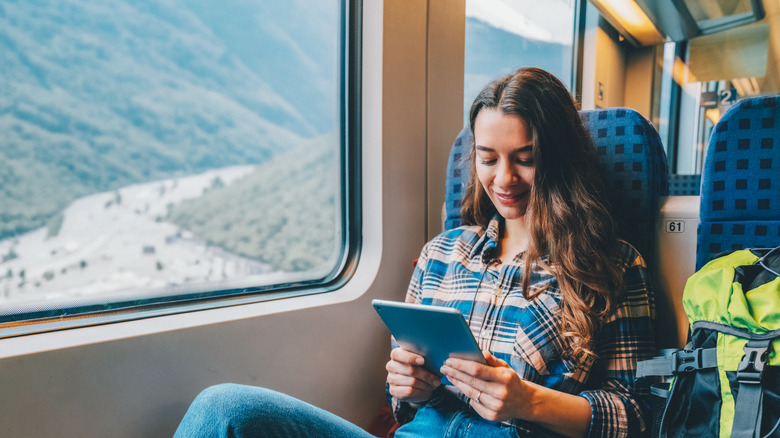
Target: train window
column 502, row 36
column 160, row 151
column 720, row 69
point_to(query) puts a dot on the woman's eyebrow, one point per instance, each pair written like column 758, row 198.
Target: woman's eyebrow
column 526, row 148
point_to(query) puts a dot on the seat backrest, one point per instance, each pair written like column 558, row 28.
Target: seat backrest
column 457, row 178
column 740, row 192
column 684, row 185
column 635, row 168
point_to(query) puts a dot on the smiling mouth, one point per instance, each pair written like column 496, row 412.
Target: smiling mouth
column 511, row 199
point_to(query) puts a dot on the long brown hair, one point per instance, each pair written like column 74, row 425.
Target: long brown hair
column 568, row 213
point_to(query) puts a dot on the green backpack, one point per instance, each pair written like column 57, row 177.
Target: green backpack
column 726, row 382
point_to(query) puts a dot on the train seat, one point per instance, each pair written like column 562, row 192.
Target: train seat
column 684, row 185
column 740, row 192
column 634, row 164
column 456, row 179
column 636, row 174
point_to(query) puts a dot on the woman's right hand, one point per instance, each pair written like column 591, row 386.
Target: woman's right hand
column 408, row 380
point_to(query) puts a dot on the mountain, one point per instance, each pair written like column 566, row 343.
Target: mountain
column 291, row 45
column 283, row 214
column 95, row 96
column 116, row 244
column 225, row 228
column 492, row 52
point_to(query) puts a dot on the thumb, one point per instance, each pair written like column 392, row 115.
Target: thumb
column 494, row 361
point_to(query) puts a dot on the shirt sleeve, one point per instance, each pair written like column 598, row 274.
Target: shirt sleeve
column 402, row 411
column 620, row 407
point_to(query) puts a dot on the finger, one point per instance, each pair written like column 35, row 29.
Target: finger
column 476, row 396
column 475, row 388
column 407, row 381
column 481, row 403
column 470, row 368
column 407, row 393
column 460, row 379
column 416, row 391
column 405, row 356
column 494, row 361
column 468, row 385
column 412, row 371
column 425, row 381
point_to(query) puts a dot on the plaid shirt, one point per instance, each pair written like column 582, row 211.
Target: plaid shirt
column 455, row 270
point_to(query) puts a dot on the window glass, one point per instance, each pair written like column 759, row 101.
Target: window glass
column 711, row 10
column 504, row 35
column 721, row 69
column 154, row 149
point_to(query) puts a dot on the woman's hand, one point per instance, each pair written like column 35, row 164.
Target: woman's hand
column 497, row 393
column 408, row 380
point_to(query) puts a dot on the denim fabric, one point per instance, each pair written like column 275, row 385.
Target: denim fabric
column 447, row 418
column 237, row 411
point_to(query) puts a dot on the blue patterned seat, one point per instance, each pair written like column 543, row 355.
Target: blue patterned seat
column 740, row 193
column 635, row 169
column 457, row 178
column 684, row 185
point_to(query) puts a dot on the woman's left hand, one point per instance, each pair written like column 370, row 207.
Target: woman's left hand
column 497, row 393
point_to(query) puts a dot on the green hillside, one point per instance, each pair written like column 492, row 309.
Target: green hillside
column 283, row 214
column 95, row 96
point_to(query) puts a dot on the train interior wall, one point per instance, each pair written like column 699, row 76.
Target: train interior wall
column 136, row 379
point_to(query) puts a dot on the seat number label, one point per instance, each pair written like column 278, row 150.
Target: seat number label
column 675, row 226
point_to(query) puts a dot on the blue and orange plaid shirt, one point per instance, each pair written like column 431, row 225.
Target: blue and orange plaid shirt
column 455, row 270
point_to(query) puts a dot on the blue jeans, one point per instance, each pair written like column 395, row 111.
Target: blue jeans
column 451, row 418
column 237, row 411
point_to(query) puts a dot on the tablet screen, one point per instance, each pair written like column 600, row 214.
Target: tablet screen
column 434, row 332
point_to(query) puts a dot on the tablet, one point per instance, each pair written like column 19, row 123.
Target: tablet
column 434, row 332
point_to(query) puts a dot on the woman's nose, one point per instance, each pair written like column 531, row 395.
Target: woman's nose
column 505, row 174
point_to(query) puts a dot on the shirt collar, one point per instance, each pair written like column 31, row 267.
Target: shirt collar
column 488, row 242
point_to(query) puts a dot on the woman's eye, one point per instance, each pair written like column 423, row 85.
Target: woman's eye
column 525, row 163
column 487, row 162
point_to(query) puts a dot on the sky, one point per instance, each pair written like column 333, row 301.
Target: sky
column 512, row 16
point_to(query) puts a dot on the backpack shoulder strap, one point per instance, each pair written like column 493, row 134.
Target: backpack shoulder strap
column 748, row 408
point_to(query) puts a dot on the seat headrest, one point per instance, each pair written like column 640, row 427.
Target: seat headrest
column 740, row 192
column 635, row 171
column 457, row 178
column 634, row 163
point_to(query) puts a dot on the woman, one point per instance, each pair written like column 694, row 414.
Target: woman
column 560, row 306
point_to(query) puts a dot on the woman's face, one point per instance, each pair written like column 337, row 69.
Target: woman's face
column 504, row 161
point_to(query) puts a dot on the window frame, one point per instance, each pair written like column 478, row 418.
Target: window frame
column 30, row 319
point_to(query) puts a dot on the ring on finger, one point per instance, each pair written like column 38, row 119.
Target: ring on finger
column 476, row 400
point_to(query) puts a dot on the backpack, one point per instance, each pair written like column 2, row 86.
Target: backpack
column 726, row 382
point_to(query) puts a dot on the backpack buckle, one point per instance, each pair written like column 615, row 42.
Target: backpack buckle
column 686, row 361
column 751, row 367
